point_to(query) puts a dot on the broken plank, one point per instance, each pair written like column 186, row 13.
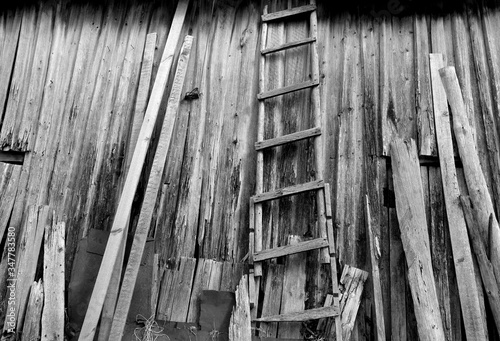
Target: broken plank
column 288, row 13
column 150, row 197
column 278, row 141
column 414, row 235
column 239, row 325
column 287, row 191
column 462, row 254
column 53, row 277
column 490, row 282
column 353, row 281
column 373, row 240
column 32, row 321
column 125, row 203
column 301, row 316
column 476, row 182
column 291, row 249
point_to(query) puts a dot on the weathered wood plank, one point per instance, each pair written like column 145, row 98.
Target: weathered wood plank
column 181, row 290
column 150, row 197
column 293, row 296
column 301, row 316
column 291, row 249
column 287, row 89
column 490, row 281
column 288, row 13
column 102, row 281
column 200, row 283
column 32, row 321
column 291, row 190
column 476, row 183
column 353, row 281
column 239, row 325
column 412, row 222
column 377, row 289
column 462, row 254
column 278, row 141
column 273, row 289
column 289, row 45
column 53, row 277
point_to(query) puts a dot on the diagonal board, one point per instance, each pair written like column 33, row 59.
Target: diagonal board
column 414, row 236
column 133, row 176
column 109, row 305
column 476, row 182
column 462, row 255
column 151, row 195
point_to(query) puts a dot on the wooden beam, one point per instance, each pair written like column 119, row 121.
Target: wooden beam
column 464, row 268
column 281, row 251
column 287, row 191
column 490, row 281
column 415, row 238
column 278, row 141
column 287, row 89
column 476, row 182
column 151, row 195
column 289, row 45
column 373, row 240
column 288, row 13
column 125, row 203
column 53, row 278
column 239, row 324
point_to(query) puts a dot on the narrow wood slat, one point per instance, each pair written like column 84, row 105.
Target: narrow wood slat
column 467, row 288
column 291, row 249
column 53, row 278
column 288, row 13
column 287, row 89
column 278, row 141
column 125, row 203
column 287, row 191
column 154, row 183
column 239, row 323
column 288, row 45
column 306, row 315
column 486, row 268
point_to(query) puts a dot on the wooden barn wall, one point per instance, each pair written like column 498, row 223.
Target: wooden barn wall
column 69, row 78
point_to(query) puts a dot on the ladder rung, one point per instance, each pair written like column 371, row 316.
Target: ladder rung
column 278, row 141
column 281, row 251
column 301, row 316
column 287, row 89
column 288, row 13
column 291, row 190
column 288, row 45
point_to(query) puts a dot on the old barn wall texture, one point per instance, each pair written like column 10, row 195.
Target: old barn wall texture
column 68, row 80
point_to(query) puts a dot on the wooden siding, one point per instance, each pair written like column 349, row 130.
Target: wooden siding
column 69, row 80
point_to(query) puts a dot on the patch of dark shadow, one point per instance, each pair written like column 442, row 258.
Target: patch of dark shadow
column 192, row 95
column 391, row 112
column 12, row 157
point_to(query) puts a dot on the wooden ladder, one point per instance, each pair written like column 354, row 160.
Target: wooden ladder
column 325, row 241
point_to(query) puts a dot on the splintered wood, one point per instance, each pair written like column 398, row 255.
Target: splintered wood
column 415, row 238
column 239, row 325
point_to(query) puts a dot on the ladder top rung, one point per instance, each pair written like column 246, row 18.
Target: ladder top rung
column 287, row 89
column 297, row 136
column 287, row 191
column 301, row 316
column 288, row 45
column 281, row 251
column 288, row 13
